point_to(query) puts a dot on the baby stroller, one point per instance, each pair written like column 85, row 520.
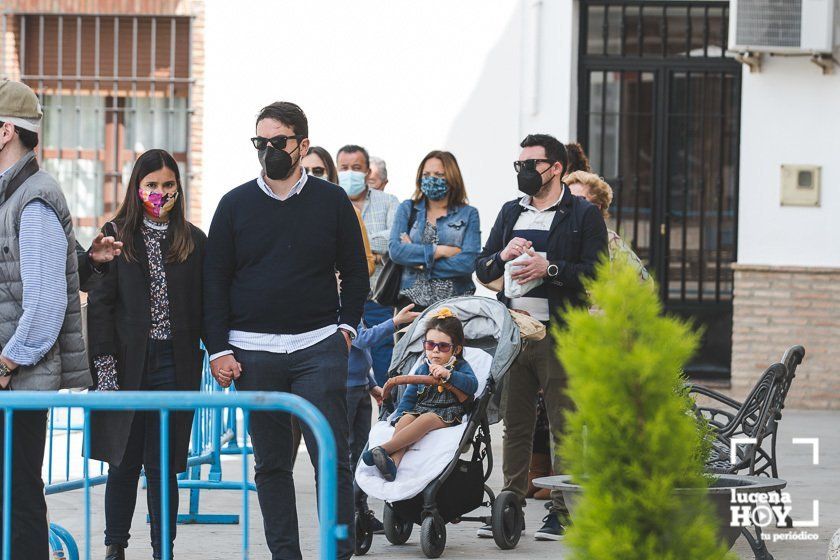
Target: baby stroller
column 443, row 476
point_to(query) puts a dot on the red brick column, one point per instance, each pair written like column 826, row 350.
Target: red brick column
column 777, row 307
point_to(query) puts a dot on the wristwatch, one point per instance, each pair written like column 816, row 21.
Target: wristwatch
column 552, row 270
column 4, row 370
column 350, row 333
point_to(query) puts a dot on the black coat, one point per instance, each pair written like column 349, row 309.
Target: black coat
column 576, row 240
column 119, row 320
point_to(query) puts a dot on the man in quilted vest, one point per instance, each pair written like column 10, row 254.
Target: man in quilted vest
column 40, row 316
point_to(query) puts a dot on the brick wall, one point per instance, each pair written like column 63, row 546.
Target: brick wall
column 778, row 307
column 197, row 118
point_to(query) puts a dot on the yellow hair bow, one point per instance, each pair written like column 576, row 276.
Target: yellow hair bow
column 444, row 313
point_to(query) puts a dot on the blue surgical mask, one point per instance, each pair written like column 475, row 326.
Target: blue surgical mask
column 353, row 182
column 434, row 187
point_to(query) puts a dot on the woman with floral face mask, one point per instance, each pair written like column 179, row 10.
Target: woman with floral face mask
column 144, row 328
column 436, row 235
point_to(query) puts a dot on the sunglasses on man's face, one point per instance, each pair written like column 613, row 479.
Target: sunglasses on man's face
column 529, row 164
column 444, row 347
column 316, row 171
column 278, row 142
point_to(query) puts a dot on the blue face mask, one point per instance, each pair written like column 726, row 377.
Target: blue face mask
column 434, row 187
column 353, row 182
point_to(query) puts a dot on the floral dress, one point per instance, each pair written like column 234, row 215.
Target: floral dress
column 161, row 329
column 427, row 290
column 419, row 399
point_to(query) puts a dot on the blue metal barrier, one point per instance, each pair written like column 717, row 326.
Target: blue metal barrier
column 329, row 530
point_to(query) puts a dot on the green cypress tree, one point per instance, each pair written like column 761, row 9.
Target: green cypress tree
column 632, row 438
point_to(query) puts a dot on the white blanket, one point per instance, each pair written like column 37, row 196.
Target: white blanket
column 427, row 458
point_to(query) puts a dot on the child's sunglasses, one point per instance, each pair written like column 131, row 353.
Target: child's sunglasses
column 443, row 346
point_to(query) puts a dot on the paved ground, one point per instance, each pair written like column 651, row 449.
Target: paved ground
column 807, row 482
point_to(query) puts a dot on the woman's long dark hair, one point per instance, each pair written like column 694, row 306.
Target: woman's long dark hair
column 129, row 218
column 332, row 172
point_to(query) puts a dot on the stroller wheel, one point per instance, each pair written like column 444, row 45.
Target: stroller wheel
column 507, row 520
column 364, row 533
column 397, row 530
column 433, row 536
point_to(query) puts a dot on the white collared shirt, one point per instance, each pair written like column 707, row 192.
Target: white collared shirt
column 295, row 190
column 535, row 225
column 280, row 343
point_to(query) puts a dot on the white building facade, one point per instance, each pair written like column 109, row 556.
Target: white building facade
column 690, row 139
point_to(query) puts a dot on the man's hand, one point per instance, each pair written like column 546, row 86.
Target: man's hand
column 347, row 338
column 515, row 247
column 405, row 315
column 104, row 249
column 376, row 393
column 225, row 370
column 527, row 270
column 446, row 251
column 438, row 371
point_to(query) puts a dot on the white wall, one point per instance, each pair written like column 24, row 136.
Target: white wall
column 790, row 115
column 400, row 78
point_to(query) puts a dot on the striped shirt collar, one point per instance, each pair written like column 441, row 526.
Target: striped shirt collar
column 525, row 202
column 295, row 190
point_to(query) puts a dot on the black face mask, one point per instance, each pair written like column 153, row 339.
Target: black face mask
column 277, row 164
column 530, row 181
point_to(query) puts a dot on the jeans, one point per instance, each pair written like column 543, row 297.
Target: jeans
column 359, row 410
column 143, row 451
column 536, row 367
column 381, row 353
column 30, row 530
column 319, row 375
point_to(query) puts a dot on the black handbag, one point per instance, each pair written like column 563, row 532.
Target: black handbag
column 386, row 292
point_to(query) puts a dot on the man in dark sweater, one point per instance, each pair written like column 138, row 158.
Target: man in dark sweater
column 273, row 317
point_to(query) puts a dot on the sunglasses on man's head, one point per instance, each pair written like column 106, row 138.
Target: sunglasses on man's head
column 316, row 171
column 529, row 164
column 443, row 346
column 278, row 142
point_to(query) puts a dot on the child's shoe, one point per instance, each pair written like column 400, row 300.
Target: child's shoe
column 367, row 457
column 384, row 463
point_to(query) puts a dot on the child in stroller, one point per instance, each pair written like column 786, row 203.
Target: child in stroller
column 441, row 478
column 423, row 407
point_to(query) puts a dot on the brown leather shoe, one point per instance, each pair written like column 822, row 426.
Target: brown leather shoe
column 115, row 552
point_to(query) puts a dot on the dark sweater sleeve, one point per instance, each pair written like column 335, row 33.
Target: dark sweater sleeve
column 351, row 264
column 219, row 268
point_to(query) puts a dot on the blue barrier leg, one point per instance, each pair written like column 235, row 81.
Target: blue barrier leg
column 66, row 538
column 164, row 483
column 7, row 485
column 87, row 483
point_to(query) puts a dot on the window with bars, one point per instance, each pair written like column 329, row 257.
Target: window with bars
column 111, row 87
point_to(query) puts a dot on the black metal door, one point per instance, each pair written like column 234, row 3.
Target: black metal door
column 659, row 118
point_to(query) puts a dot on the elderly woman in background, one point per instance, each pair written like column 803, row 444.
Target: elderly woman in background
column 598, row 192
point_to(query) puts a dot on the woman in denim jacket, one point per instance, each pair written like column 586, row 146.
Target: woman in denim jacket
column 436, row 235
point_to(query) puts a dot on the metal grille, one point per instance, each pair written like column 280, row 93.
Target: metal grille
column 659, row 118
column 111, row 88
column 772, row 23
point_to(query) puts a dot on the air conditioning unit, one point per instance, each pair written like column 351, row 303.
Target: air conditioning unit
column 781, row 26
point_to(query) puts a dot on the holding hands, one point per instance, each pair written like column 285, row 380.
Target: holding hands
column 225, row 370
